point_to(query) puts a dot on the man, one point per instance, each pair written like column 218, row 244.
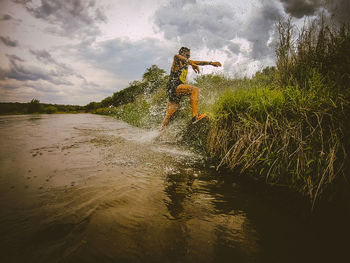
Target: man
column 177, row 86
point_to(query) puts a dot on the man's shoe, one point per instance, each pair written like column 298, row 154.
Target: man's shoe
column 197, row 118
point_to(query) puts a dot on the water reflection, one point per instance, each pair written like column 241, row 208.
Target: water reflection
column 35, row 117
column 83, row 193
column 178, row 188
column 211, row 226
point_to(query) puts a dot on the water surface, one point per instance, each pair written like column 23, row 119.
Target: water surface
column 88, row 188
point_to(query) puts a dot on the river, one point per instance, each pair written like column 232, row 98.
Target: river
column 89, row 188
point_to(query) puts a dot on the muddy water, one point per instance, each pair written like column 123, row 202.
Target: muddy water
column 87, row 188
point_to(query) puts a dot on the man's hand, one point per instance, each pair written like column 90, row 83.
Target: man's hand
column 195, row 68
column 215, row 64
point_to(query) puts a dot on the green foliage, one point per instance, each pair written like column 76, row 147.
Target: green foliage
column 287, row 136
column 34, row 106
column 321, row 46
column 287, row 125
column 136, row 114
column 92, row 106
column 50, row 109
column 106, row 102
column 128, row 94
column 13, row 108
column 152, row 80
column 142, row 103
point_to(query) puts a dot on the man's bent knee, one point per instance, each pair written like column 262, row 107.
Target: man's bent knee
column 186, row 89
column 172, row 107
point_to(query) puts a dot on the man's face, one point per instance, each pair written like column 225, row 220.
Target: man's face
column 187, row 54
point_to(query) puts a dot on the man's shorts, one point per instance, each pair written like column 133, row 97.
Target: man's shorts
column 171, row 91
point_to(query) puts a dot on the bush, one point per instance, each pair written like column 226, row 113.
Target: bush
column 288, row 125
column 294, row 133
column 34, row 106
column 50, row 109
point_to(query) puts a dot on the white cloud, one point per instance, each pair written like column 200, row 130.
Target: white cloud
column 124, row 58
column 69, row 17
column 8, row 41
column 221, row 26
column 75, row 51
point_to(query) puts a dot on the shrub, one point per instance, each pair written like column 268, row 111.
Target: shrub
column 50, row 109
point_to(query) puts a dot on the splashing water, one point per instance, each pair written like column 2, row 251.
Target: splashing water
column 88, row 188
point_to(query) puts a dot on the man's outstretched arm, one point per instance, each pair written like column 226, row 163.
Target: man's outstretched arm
column 198, row 63
column 195, row 64
column 204, row 63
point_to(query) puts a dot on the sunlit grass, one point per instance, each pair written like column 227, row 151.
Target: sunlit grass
column 287, row 125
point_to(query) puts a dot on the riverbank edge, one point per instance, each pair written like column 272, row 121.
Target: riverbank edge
column 287, row 125
column 283, row 196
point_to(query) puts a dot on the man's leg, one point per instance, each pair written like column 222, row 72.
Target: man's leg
column 194, row 91
column 170, row 110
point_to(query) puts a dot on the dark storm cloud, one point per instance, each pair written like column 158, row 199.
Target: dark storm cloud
column 3, row 73
column 215, row 26
column 72, row 17
column 197, row 24
column 259, row 27
column 235, row 48
column 123, row 58
column 8, row 41
column 300, row 8
column 100, row 15
column 11, row 86
column 339, row 9
column 14, row 58
column 5, row 17
column 45, row 57
column 47, row 89
column 62, row 69
column 21, row 72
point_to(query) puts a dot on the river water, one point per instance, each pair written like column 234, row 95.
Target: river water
column 89, row 188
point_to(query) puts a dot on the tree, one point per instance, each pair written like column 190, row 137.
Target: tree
column 34, row 106
column 50, row 109
column 92, row 106
column 106, row 102
column 153, row 74
column 153, row 77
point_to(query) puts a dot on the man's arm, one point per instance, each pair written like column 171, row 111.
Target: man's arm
column 204, row 63
column 198, row 63
column 195, row 64
column 189, row 62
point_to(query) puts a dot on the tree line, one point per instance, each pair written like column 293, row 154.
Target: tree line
column 34, row 106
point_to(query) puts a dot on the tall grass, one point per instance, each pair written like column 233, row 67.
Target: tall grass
column 321, row 46
column 288, row 137
column 293, row 133
column 288, row 125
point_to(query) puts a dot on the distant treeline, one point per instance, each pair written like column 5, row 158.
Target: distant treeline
column 152, row 79
column 34, row 106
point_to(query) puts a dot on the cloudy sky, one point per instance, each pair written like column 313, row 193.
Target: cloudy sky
column 76, row 51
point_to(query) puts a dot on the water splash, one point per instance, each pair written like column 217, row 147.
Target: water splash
column 147, row 136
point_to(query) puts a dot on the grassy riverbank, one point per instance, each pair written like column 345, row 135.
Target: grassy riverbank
column 287, row 125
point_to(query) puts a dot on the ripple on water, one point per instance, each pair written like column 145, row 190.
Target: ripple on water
column 134, row 199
